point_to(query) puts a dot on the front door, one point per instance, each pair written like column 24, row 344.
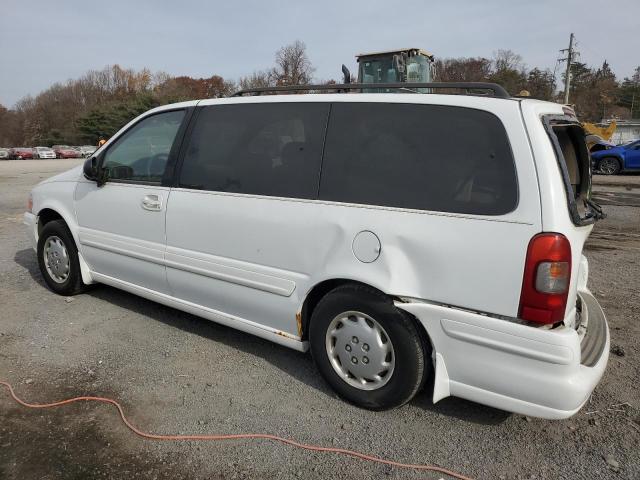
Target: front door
column 122, row 224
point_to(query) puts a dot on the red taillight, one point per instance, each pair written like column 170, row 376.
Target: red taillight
column 547, row 273
column 30, row 204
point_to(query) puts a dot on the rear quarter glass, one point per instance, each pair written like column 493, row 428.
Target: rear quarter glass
column 425, row 157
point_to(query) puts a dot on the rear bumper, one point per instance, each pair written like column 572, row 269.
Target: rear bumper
column 518, row 368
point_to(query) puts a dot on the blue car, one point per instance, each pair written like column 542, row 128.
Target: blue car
column 622, row 158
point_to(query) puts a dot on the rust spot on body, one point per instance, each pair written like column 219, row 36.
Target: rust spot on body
column 299, row 323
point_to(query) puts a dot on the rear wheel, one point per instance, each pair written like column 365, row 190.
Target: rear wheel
column 368, row 350
column 609, row 166
column 58, row 259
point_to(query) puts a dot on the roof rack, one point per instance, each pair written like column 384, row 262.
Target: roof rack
column 468, row 88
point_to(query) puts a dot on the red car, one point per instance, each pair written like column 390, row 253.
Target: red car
column 64, row 151
column 21, row 153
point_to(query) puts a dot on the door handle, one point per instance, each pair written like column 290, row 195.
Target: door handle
column 152, row 202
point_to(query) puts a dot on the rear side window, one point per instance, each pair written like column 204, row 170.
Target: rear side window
column 263, row 149
column 427, row 157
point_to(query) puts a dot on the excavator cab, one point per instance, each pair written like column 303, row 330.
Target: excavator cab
column 410, row 65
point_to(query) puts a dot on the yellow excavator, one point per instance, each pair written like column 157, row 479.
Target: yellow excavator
column 606, row 133
column 599, row 138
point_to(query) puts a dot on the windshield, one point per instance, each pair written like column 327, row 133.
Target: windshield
column 378, row 70
column 418, row 69
column 394, row 69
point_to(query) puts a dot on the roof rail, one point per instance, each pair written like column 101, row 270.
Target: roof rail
column 467, row 88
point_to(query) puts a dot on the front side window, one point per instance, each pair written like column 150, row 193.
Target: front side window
column 427, row 157
column 141, row 154
column 270, row 149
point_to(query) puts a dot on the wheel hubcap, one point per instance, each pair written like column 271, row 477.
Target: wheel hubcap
column 360, row 350
column 608, row 166
column 56, row 259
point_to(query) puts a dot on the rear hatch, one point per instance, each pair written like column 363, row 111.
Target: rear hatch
column 555, row 267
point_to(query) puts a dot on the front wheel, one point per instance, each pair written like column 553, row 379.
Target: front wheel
column 368, row 350
column 58, row 259
column 609, row 166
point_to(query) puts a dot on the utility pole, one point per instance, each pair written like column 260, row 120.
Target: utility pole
column 567, row 77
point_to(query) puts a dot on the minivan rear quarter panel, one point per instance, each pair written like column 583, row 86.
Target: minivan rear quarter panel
column 553, row 196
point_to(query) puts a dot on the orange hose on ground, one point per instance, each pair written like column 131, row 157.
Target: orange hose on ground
column 240, row 436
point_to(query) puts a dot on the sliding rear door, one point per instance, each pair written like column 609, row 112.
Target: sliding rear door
column 240, row 227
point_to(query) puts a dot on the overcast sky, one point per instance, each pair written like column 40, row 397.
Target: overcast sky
column 47, row 41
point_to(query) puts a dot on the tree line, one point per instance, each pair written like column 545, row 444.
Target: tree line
column 101, row 101
column 595, row 92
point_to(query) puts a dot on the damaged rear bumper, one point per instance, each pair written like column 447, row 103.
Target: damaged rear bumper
column 532, row 371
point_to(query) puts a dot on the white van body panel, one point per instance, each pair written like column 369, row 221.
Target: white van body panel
column 308, row 242
column 304, row 242
column 117, row 237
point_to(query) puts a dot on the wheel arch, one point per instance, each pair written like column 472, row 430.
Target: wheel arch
column 47, row 215
column 55, row 210
column 52, row 211
column 321, row 289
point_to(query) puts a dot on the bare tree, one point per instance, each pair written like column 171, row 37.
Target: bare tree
column 293, row 66
column 258, row 79
column 507, row 60
column 463, row 69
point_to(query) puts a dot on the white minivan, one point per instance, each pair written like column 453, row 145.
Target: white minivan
column 406, row 239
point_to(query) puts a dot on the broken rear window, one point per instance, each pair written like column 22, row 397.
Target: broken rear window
column 568, row 138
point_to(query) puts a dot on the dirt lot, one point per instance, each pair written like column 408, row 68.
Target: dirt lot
column 176, row 373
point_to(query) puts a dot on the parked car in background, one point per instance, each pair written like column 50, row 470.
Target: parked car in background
column 87, row 150
column 43, row 152
column 5, row 154
column 65, row 151
column 621, row 158
column 58, row 147
column 21, row 153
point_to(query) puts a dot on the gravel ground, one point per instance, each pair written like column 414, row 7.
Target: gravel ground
column 176, row 373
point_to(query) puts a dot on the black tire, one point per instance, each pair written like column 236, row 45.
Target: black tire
column 412, row 365
column 611, row 166
column 73, row 284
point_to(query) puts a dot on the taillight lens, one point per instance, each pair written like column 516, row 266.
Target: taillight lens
column 547, row 273
column 30, row 204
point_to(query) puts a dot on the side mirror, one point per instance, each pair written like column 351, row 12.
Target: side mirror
column 90, row 169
